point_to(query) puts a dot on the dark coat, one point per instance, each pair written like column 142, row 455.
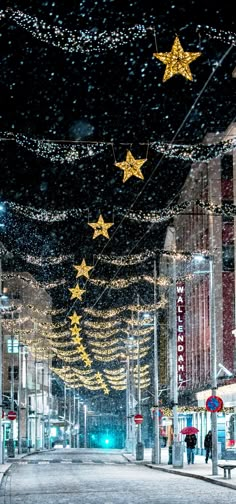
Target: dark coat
column 208, row 441
column 191, row 440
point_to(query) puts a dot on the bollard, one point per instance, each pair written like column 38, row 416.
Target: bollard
column 139, row 451
column 170, row 449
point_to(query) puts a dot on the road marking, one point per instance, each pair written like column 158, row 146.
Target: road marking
column 76, row 461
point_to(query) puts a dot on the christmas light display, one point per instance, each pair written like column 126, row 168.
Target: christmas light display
column 74, row 318
column 100, row 227
column 75, row 330
column 177, row 61
column 37, row 285
column 42, row 261
column 82, row 269
column 135, row 308
column 64, row 152
column 123, row 283
column 131, row 167
column 77, row 292
column 83, row 41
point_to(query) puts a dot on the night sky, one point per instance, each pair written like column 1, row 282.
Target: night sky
column 116, row 95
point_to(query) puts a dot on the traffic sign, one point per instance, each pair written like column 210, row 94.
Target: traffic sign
column 156, row 411
column 214, row 404
column 138, row 418
column 11, row 415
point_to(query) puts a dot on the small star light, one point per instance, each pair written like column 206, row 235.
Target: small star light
column 100, row 227
column 82, row 269
column 177, row 61
column 75, row 330
column 131, row 167
column 75, row 318
column 76, row 292
column 77, row 340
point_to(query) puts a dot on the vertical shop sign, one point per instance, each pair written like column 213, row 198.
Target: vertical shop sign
column 181, row 337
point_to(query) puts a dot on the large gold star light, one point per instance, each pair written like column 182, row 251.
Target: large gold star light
column 100, row 227
column 77, row 292
column 177, row 61
column 82, row 269
column 131, row 167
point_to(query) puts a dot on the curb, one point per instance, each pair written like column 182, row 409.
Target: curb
column 181, row 473
column 190, row 475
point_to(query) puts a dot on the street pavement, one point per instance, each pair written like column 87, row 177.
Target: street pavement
column 91, row 476
column 198, row 470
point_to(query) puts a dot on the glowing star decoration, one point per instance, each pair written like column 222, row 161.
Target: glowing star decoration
column 77, row 340
column 75, row 318
column 75, row 330
column 77, row 292
column 100, row 227
column 177, row 61
column 82, row 269
column 131, row 167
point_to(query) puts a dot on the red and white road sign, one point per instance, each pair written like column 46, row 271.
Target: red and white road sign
column 11, row 415
column 138, row 418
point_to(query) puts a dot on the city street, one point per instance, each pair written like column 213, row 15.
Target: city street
column 101, row 477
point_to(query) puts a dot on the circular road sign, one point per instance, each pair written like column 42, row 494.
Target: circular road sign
column 214, row 404
column 11, row 415
column 138, row 418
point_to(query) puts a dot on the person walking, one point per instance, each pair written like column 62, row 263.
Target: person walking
column 208, row 445
column 191, row 441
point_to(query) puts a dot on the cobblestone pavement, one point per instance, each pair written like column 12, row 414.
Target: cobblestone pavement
column 109, row 480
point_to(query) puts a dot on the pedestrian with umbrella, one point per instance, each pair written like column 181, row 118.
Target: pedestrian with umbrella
column 191, row 441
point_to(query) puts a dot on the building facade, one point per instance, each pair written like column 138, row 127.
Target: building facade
column 26, row 376
column 201, row 240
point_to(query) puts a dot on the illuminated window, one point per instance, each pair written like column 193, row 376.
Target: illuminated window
column 12, row 345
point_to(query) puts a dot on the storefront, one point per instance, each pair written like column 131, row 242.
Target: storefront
column 226, row 420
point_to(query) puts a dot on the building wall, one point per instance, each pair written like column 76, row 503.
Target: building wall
column 199, row 230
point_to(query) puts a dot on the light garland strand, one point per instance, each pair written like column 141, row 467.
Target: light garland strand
column 46, row 216
column 123, row 283
column 64, row 151
column 226, row 37
column 82, row 41
column 49, row 260
column 134, row 308
column 85, row 41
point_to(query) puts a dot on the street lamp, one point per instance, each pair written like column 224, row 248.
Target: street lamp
column 212, row 326
column 156, row 420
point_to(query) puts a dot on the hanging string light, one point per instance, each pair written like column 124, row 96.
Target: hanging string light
column 85, row 41
column 134, row 308
column 82, row 41
column 123, row 283
column 63, row 152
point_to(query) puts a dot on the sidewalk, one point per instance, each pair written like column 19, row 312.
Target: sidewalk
column 198, row 470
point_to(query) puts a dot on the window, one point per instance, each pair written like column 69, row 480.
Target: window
column 227, row 167
column 12, row 345
column 228, row 257
column 16, row 373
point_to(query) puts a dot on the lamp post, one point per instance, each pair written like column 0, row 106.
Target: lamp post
column 213, row 365
column 156, row 446
column 1, row 369
column 175, row 370
column 212, row 326
column 65, row 422
column 139, row 444
column 85, row 426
